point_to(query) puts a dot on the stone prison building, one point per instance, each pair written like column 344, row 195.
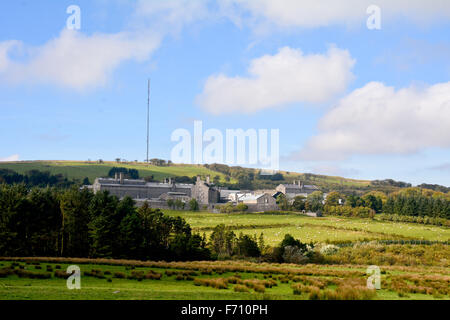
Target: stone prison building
column 207, row 195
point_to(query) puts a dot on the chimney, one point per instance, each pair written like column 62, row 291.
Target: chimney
column 208, row 179
column 170, row 180
column 198, row 179
column 116, row 177
column 121, row 178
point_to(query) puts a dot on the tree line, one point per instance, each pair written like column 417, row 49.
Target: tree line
column 76, row 223
column 414, row 202
column 36, row 178
column 51, row 222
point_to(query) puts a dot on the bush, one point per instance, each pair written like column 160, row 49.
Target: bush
column 5, row 272
column 32, row 275
column 61, row 274
column 329, row 249
column 259, row 288
column 240, row 288
column 218, row 283
column 96, row 273
column 193, row 205
column 153, row 275
column 119, row 275
column 136, row 275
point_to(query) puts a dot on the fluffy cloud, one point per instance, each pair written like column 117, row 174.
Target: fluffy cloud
column 73, row 59
column 319, row 13
column 14, row 157
column 286, row 77
column 79, row 61
column 377, row 119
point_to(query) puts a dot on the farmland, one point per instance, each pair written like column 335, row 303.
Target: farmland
column 407, row 271
column 309, row 229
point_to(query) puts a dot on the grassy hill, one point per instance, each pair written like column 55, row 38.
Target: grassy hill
column 80, row 170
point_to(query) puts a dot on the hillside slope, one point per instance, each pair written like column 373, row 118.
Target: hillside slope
column 79, row 170
column 229, row 176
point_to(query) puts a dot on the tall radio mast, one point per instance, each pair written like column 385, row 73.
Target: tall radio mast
column 148, row 119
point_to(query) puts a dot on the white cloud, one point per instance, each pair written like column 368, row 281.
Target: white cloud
column 75, row 60
column 377, row 119
column 319, row 13
column 79, row 61
column 14, row 157
column 286, row 77
column 174, row 13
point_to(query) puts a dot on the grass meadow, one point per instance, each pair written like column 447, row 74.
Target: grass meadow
column 324, row 229
column 220, row 280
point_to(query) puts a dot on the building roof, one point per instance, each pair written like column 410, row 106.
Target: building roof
column 140, row 183
column 296, row 186
column 249, row 197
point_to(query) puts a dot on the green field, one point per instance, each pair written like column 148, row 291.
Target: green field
column 407, row 271
column 307, row 229
column 80, row 170
column 283, row 279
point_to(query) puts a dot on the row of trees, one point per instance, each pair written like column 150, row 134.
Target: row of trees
column 225, row 244
column 36, row 178
column 414, row 202
column 314, row 202
column 77, row 223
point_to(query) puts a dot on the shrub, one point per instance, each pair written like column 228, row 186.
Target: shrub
column 5, row 272
column 96, row 273
column 314, row 293
column 61, row 274
column 153, row 275
column 348, row 292
column 207, row 272
column 259, row 288
column 240, row 288
column 119, row 275
column 32, row 275
column 218, row 283
column 136, row 275
column 329, row 249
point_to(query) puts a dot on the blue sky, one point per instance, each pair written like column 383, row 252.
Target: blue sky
column 377, row 103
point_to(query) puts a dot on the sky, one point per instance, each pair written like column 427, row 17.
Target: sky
column 356, row 88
